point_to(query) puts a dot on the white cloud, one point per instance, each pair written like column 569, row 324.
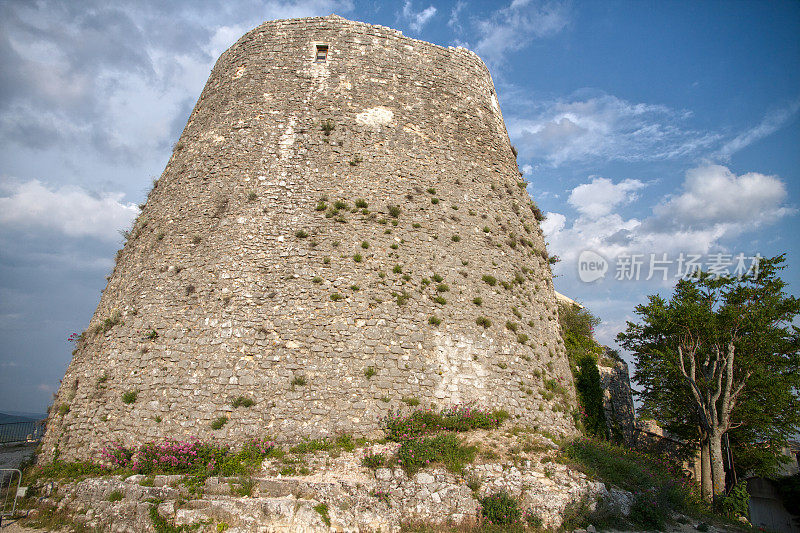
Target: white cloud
column 68, row 210
column 771, row 123
column 454, row 22
column 601, row 195
column 712, row 194
column 514, row 27
column 584, row 127
column 417, row 19
column 713, row 206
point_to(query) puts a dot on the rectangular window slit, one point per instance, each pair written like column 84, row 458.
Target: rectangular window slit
column 322, row 52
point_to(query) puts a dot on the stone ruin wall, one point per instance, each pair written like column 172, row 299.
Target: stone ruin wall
column 215, row 296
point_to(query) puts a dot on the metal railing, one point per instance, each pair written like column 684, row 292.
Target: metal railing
column 22, row 431
column 8, row 492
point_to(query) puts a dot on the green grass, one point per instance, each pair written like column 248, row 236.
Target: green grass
column 243, row 401
column 301, row 234
column 369, row 372
column 477, row 300
column 217, row 423
column 115, row 496
column 483, row 321
column 659, row 488
column 434, row 320
column 130, row 396
column 322, row 509
column 489, row 280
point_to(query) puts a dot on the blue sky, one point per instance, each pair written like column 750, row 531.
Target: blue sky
column 642, row 128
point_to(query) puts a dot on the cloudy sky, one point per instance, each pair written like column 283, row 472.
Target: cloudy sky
column 661, row 128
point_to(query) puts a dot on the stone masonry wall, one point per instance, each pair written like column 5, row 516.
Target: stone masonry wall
column 241, row 278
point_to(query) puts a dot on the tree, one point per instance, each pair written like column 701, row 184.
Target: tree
column 709, row 358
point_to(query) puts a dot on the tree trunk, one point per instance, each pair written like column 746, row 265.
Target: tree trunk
column 705, row 470
column 717, row 467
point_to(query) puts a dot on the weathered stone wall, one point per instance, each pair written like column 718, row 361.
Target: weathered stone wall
column 218, row 292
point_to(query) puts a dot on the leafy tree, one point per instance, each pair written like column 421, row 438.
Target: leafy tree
column 721, row 355
column 583, row 352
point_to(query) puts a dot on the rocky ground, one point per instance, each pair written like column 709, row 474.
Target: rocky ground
column 336, row 493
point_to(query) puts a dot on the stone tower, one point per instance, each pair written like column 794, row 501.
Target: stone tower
column 341, row 231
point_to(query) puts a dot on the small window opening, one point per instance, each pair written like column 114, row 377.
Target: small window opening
column 322, row 52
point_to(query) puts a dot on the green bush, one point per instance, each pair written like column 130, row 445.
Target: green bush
column 500, row 508
column 737, row 502
column 116, row 496
column 242, row 401
column 426, row 421
column 483, row 321
column 446, row 449
column 373, row 460
column 489, row 280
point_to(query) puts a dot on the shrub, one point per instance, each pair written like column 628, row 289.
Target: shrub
column 64, row 408
column 252, row 196
column 336, row 296
column 217, row 423
column 455, row 238
column 373, row 460
column 397, row 269
column 483, row 321
column 439, row 299
column 361, row 203
column 369, row 372
column 242, row 401
column 416, row 225
column 434, row 320
column 321, row 206
column 327, row 127
column 340, row 205
column 431, row 190
column 446, row 448
column 424, row 422
column 477, row 300
column 130, row 396
column 486, row 229
column 522, row 338
column 737, row 502
column 434, row 201
column 489, row 280
column 301, row 234
column 512, row 326
column 298, row 381
column 317, row 279
column 413, row 402
column 357, row 258
column 442, row 287
column 437, row 278
column 394, row 210
column 115, row 496
column 500, row 508
column 364, row 244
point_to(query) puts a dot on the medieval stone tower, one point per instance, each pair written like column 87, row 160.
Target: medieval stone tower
column 341, row 231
